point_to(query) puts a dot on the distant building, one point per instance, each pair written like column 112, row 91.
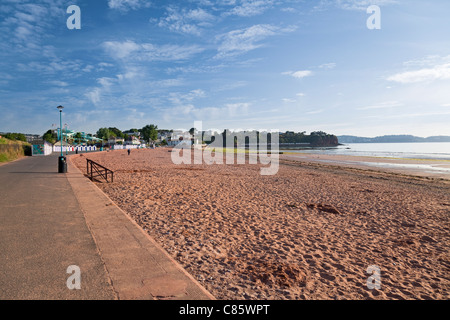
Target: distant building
column 64, row 144
column 179, row 137
column 114, row 141
column 136, row 134
column 32, row 137
column 69, row 135
column 133, row 140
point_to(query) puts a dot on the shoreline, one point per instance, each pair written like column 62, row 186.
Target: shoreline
column 431, row 168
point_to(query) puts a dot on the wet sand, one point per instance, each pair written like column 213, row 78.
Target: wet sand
column 309, row 232
column 417, row 167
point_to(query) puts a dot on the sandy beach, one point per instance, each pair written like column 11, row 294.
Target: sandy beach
column 309, row 232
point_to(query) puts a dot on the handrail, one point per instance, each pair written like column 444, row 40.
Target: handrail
column 94, row 169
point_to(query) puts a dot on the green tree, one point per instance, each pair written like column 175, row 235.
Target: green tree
column 104, row 134
column 50, row 136
column 78, row 137
column 116, row 132
column 149, row 132
column 16, row 137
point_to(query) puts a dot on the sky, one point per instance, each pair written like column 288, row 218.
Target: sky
column 232, row 64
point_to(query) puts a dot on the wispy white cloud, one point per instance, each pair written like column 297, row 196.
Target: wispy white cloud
column 186, row 21
column 58, row 83
column 299, row 74
column 314, row 112
column 327, row 66
column 25, row 25
column 54, row 66
column 120, row 50
column 409, row 115
column 225, row 112
column 383, row 105
column 131, row 50
column 217, row 59
column 248, row 8
column 438, row 72
column 428, row 61
column 352, row 4
column 231, row 86
column 244, row 40
column 125, row 5
column 308, row 73
column 93, row 95
column 185, row 98
column 237, row 109
column 289, row 9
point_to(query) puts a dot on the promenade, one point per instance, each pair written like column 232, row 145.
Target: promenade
column 50, row 221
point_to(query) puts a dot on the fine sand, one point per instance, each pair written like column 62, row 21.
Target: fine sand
column 309, row 232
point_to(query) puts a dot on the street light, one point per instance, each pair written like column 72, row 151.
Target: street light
column 60, row 108
column 66, row 126
column 62, row 164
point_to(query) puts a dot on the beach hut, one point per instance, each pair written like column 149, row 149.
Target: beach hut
column 41, row 148
column 65, row 147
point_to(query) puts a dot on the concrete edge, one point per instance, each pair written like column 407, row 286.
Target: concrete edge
column 176, row 264
column 72, row 166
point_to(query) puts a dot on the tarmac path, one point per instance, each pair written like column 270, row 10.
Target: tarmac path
column 51, row 221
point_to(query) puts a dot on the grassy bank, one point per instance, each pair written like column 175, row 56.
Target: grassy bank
column 12, row 150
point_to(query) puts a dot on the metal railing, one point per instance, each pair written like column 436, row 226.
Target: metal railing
column 95, row 170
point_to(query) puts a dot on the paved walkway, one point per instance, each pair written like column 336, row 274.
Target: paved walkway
column 50, row 221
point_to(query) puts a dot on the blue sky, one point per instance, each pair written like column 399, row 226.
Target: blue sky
column 236, row 64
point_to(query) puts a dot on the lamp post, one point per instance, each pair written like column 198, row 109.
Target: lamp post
column 62, row 164
column 66, row 126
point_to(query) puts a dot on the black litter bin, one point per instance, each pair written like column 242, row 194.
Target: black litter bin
column 62, row 165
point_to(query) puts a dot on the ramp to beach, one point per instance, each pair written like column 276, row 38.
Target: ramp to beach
column 52, row 221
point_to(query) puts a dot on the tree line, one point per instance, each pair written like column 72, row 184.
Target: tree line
column 315, row 139
column 150, row 133
column 147, row 133
column 15, row 136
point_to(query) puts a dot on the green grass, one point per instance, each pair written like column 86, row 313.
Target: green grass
column 10, row 154
column 4, row 158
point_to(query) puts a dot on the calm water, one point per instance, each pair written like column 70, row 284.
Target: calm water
column 437, row 150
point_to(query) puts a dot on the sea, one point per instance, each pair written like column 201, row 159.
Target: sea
column 417, row 150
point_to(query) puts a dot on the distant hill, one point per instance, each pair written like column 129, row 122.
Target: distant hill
column 392, row 139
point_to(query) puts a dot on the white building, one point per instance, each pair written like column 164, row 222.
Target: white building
column 133, row 140
column 179, row 137
column 114, row 141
